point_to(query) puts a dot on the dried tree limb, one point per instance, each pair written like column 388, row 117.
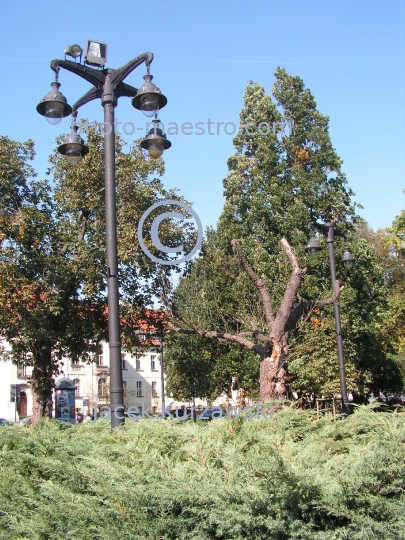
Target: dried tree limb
column 221, row 335
column 252, row 323
column 290, row 255
column 256, row 332
column 290, row 295
column 258, row 283
column 256, row 335
column 304, row 307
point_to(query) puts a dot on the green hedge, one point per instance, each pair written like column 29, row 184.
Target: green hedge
column 295, row 476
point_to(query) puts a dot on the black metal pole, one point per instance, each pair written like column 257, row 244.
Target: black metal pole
column 116, row 386
column 162, row 378
column 342, row 375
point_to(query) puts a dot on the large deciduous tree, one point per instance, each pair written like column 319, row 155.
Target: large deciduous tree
column 52, row 255
column 273, row 349
column 277, row 184
column 389, row 248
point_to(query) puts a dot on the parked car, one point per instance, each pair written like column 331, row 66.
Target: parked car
column 206, row 414
column 26, row 421
column 4, row 422
column 10, row 415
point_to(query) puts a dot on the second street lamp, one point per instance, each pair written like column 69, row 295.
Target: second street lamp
column 149, row 98
column 54, row 105
column 156, row 141
column 313, row 247
column 108, row 86
column 73, row 147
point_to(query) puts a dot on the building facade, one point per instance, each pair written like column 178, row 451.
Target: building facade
column 15, row 394
column 142, row 378
column 141, row 373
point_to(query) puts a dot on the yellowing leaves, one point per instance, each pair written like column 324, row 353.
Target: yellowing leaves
column 302, row 155
column 317, row 323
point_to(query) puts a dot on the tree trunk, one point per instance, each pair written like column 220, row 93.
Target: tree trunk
column 272, row 373
column 42, row 385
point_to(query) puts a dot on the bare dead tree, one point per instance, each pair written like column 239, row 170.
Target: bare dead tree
column 273, row 350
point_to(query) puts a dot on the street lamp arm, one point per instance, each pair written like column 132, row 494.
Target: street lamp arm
column 121, row 73
column 338, row 233
column 98, row 78
column 93, row 76
column 324, row 227
column 125, row 90
column 320, row 226
column 93, row 93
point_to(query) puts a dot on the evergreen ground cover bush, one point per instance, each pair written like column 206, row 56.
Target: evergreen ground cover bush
column 296, row 476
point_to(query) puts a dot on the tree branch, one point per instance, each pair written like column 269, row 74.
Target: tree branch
column 304, row 307
column 83, row 226
column 290, row 255
column 252, row 323
column 256, row 335
column 290, row 295
column 256, row 332
column 258, row 283
column 235, row 338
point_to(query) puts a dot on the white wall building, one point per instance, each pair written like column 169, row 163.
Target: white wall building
column 142, row 376
column 13, row 381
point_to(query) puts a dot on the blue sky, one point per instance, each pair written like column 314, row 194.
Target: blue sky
column 350, row 54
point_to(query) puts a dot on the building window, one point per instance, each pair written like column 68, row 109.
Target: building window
column 77, row 384
column 139, row 389
column 21, row 370
column 153, row 362
column 102, row 390
column 138, row 364
column 123, row 361
column 154, row 390
column 99, row 355
column 78, row 360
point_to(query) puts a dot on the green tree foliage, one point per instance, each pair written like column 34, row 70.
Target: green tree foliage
column 277, row 184
column 196, row 368
column 388, row 246
column 52, row 254
column 395, row 275
column 296, row 476
column 368, row 350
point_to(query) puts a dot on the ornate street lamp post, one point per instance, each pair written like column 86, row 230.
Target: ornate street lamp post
column 162, row 376
column 313, row 247
column 108, row 86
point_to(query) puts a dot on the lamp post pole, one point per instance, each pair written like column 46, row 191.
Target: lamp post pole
column 114, row 340
column 329, row 232
column 342, row 374
column 162, row 378
column 109, row 86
